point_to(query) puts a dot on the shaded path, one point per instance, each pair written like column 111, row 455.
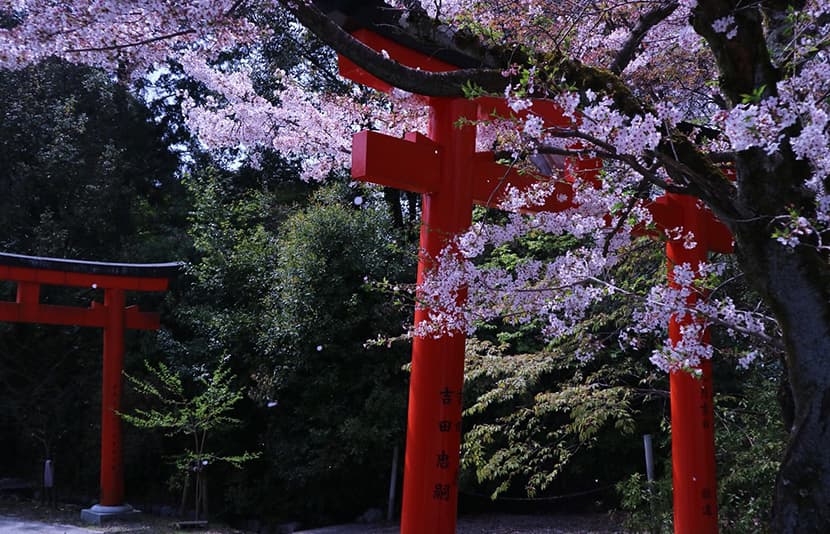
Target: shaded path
column 499, row 524
column 14, row 525
column 481, row 524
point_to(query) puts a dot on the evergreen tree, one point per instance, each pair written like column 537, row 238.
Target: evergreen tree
column 340, row 409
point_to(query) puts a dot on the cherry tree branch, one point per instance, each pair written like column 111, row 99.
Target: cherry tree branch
column 632, row 202
column 121, row 46
column 646, row 23
column 607, row 151
column 447, row 84
column 760, row 336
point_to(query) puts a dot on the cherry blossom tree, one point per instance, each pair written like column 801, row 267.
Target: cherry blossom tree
column 670, row 94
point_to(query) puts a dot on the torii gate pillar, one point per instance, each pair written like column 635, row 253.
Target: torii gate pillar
column 112, row 465
column 430, row 491
column 692, row 413
column 451, row 177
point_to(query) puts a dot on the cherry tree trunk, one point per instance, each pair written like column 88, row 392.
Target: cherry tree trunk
column 794, row 282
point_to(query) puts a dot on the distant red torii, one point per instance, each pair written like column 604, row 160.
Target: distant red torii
column 115, row 279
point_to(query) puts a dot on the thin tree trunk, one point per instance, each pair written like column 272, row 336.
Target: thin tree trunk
column 204, row 495
column 185, row 491
column 198, row 489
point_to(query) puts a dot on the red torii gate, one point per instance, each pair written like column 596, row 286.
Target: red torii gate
column 30, row 273
column 451, row 176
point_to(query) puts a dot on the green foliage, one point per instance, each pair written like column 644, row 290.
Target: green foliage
column 648, row 504
column 533, row 245
column 298, row 53
column 193, row 415
column 233, row 224
column 81, row 166
column 533, row 426
column 181, row 414
column 472, row 90
column 327, row 255
column 541, row 414
column 755, row 97
column 236, row 252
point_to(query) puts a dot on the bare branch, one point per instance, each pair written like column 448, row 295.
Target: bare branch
column 632, row 202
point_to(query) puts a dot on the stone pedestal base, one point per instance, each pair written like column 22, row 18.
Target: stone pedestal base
column 99, row 514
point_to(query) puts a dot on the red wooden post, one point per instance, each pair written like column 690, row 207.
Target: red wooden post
column 692, row 415
column 112, row 469
column 433, row 438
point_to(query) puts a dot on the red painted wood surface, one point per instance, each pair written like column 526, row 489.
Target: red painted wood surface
column 74, row 279
column 430, row 486
column 112, row 467
column 412, row 165
column 693, row 436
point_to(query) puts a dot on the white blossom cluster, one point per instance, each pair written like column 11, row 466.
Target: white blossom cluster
column 687, row 304
column 120, row 36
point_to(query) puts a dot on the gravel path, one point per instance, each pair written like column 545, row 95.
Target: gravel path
column 18, row 517
column 483, row 524
column 500, row 524
column 13, row 525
